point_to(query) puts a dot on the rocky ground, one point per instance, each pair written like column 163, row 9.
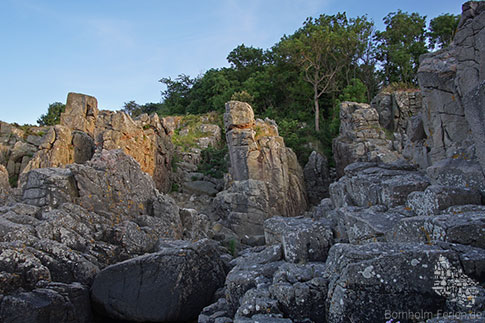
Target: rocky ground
column 116, row 219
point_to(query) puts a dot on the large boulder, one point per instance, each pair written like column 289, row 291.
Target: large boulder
column 436, row 198
column 368, row 184
column 259, row 160
column 371, row 281
column 105, row 182
column 459, row 224
column 173, row 284
column 302, row 239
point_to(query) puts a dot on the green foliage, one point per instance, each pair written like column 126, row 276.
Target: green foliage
column 213, row 161
column 134, row 109
column 173, row 163
column 247, row 60
column 13, row 180
column 325, row 47
column 297, row 136
column 175, row 187
column 354, row 92
column 442, row 29
column 53, row 115
column 301, row 80
column 233, row 247
column 176, row 96
column 242, row 96
column 400, row 46
column 400, row 86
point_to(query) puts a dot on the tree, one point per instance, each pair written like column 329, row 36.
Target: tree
column 442, row 29
column 243, row 57
column 176, row 96
column 53, row 115
column 324, row 47
column 400, row 46
column 132, row 108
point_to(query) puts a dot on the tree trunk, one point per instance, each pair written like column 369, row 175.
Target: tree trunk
column 317, row 113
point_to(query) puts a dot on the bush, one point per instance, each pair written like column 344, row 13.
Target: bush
column 213, row 162
column 53, row 115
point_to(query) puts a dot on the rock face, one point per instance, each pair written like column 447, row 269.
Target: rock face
column 173, row 284
column 361, row 137
column 71, row 223
column 317, row 177
column 55, row 301
column 395, row 108
column 451, row 80
column 83, row 130
column 266, row 179
column 4, row 185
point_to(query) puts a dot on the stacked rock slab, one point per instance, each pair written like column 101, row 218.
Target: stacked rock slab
column 266, row 179
column 378, row 132
column 397, row 257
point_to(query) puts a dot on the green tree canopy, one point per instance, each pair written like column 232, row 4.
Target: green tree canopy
column 325, row 48
column 442, row 29
column 400, row 46
column 53, row 115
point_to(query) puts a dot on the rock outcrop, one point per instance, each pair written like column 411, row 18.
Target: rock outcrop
column 453, row 116
column 266, row 179
column 83, row 130
column 71, row 223
column 361, row 137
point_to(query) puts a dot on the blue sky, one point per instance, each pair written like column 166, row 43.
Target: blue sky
column 118, row 50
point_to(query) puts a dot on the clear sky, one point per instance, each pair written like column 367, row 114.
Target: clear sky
column 117, row 50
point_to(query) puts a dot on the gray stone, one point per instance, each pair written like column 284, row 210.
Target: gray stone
column 265, row 174
column 108, row 178
column 394, row 108
column 174, row 284
column 317, row 177
column 83, row 147
column 303, row 239
column 415, row 129
column 366, row 184
column 195, row 225
column 368, row 225
column 458, row 172
column 466, row 228
column 257, row 301
column 437, row 198
column 362, row 278
column 301, row 291
column 200, row 187
column 49, row 187
column 361, row 137
column 55, row 302
column 254, row 270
